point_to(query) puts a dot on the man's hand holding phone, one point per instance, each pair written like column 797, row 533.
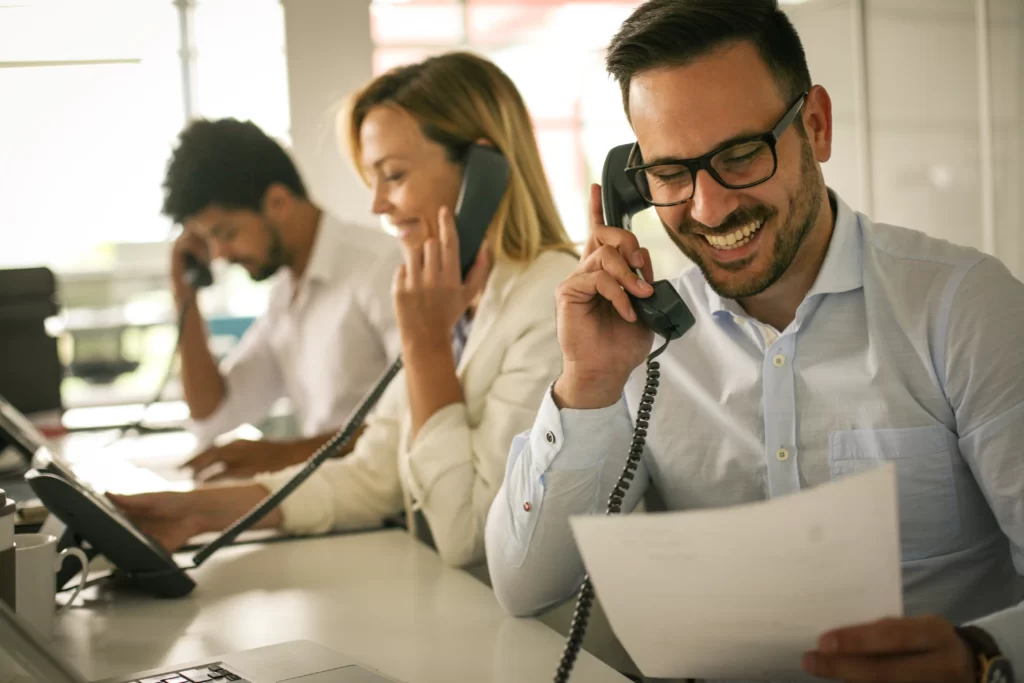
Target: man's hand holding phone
column 186, row 243
column 597, row 331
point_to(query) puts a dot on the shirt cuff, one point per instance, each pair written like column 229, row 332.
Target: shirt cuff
column 209, row 428
column 576, row 437
column 1006, row 628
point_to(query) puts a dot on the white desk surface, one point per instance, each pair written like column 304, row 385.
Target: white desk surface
column 380, row 597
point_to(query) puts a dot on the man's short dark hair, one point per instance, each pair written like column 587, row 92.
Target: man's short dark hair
column 675, row 32
column 227, row 162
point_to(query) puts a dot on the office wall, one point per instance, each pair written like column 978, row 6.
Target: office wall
column 830, row 42
column 925, row 92
column 907, row 145
column 329, row 55
column 924, row 116
column 1006, row 51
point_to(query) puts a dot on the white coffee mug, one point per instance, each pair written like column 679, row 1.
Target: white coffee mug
column 37, row 565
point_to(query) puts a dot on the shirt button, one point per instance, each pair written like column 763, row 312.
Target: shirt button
column 779, row 361
column 527, row 506
column 550, row 437
column 782, row 454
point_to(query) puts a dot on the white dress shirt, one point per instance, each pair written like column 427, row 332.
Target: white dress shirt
column 907, row 349
column 323, row 340
column 453, row 467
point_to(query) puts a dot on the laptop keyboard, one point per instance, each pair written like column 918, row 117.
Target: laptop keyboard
column 202, row 674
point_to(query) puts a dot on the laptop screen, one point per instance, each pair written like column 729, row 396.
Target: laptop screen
column 25, row 657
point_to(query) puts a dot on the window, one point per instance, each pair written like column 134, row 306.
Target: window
column 240, row 66
column 575, row 107
column 94, row 97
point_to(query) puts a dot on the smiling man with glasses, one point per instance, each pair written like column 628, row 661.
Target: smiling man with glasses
column 824, row 345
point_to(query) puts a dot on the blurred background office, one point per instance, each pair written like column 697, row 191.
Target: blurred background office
column 928, row 102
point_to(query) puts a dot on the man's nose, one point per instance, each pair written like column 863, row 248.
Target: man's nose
column 711, row 203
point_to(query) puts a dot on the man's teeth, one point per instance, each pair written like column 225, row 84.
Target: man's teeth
column 736, row 239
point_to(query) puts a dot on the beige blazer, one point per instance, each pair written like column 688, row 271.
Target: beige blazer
column 453, row 469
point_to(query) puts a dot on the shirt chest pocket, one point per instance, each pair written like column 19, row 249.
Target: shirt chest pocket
column 929, row 517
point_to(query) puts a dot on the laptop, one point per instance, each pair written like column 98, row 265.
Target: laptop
column 25, row 657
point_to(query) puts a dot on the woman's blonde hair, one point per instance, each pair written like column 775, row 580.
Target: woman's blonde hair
column 459, row 98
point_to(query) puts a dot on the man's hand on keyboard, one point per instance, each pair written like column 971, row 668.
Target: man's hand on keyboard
column 243, row 459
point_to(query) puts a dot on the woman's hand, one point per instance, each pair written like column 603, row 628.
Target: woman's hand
column 428, row 291
column 173, row 517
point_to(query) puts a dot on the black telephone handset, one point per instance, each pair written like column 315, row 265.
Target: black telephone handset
column 663, row 311
column 197, row 274
column 666, row 313
column 485, row 174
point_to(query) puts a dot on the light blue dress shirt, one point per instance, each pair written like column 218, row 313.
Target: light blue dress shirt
column 907, row 349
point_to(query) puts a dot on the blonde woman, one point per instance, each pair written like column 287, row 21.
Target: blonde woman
column 478, row 355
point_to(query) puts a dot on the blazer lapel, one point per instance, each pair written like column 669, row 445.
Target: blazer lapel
column 503, row 277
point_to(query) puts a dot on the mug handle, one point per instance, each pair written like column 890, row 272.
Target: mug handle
column 79, row 555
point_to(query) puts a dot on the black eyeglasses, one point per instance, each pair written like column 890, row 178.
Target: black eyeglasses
column 736, row 165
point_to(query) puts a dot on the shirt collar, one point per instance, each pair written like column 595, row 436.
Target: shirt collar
column 843, row 268
column 323, row 266
column 841, row 271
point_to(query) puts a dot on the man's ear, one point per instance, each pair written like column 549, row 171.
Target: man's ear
column 278, row 201
column 817, row 120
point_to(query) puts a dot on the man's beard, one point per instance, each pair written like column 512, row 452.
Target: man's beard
column 277, row 255
column 803, row 213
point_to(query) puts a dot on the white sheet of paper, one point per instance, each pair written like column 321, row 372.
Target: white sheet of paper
column 744, row 591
